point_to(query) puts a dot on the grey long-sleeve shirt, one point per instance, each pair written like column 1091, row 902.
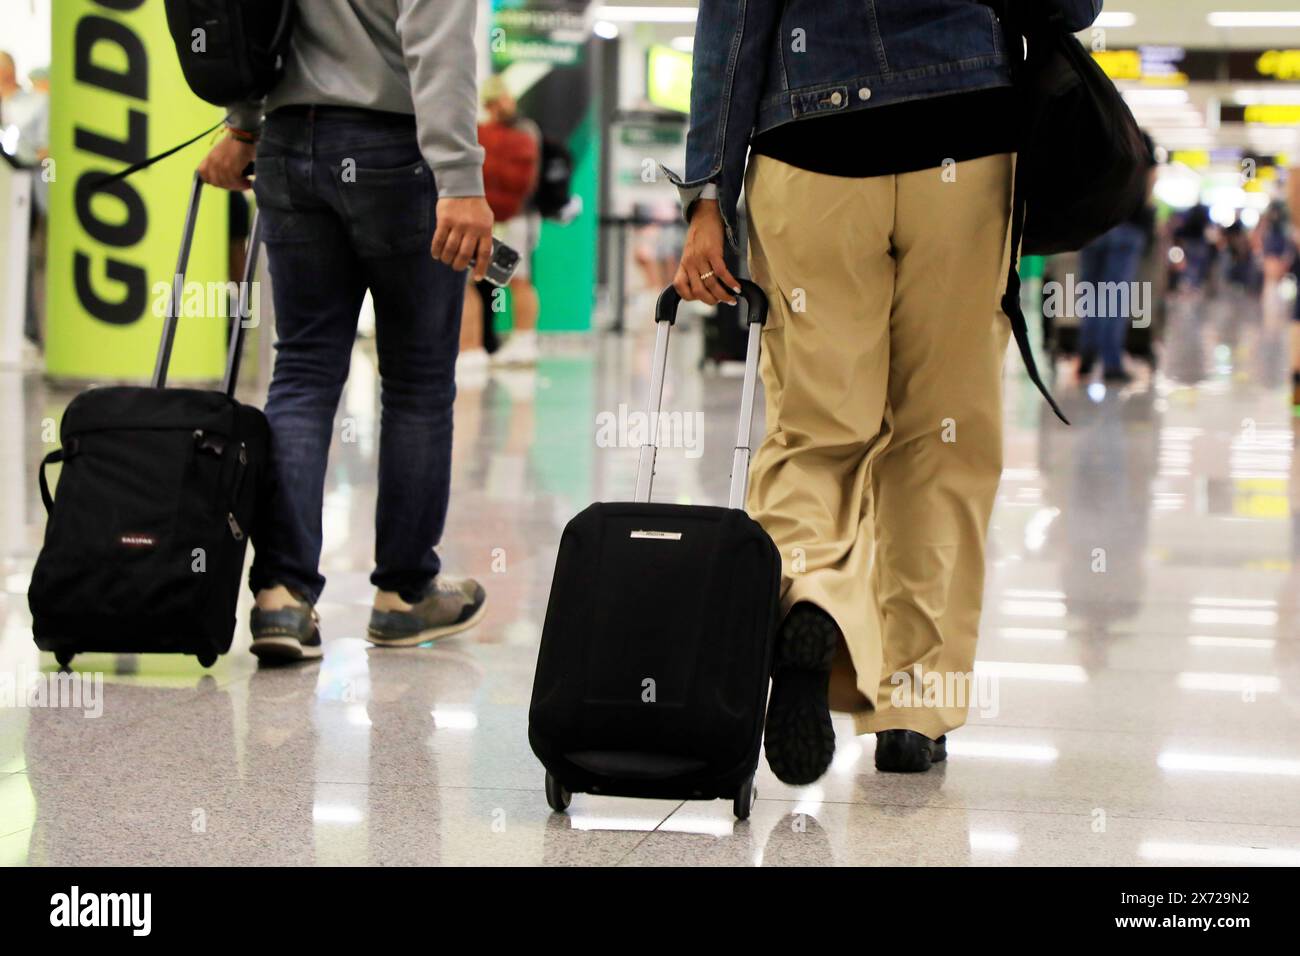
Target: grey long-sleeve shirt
column 400, row 56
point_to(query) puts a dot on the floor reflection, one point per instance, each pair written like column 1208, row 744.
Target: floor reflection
column 1142, row 622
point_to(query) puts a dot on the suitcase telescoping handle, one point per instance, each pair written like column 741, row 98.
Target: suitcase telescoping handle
column 235, row 345
column 665, row 316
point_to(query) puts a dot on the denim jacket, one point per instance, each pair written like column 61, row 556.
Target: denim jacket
column 761, row 63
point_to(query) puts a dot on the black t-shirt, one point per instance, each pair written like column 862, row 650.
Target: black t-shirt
column 899, row 138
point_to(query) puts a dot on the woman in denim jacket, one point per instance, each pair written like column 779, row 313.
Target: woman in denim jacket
column 881, row 137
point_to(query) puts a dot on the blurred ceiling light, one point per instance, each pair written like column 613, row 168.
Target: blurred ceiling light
column 1229, row 683
column 454, row 719
column 605, row 29
column 1036, row 753
column 1116, row 20
column 1278, row 96
column 1024, row 670
column 336, row 813
column 1213, row 601
column 1036, row 528
column 1176, row 139
column 590, row 822
column 1248, row 618
column 1214, row 763
column 647, row 14
column 1033, row 633
column 1251, row 18
column 685, row 44
column 1163, row 118
column 988, row 840
column 1033, row 608
column 1214, row 640
column 706, row 826
column 1155, row 97
column 1213, row 853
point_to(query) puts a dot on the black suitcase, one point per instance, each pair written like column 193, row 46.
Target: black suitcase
column 656, row 653
column 144, row 546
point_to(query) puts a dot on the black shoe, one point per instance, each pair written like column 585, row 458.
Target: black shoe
column 1086, row 362
column 287, row 635
column 800, row 738
column 1117, row 377
column 906, row 751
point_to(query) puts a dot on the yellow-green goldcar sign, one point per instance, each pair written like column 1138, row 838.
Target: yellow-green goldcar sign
column 118, row 96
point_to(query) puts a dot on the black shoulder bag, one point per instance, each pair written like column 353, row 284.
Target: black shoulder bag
column 1083, row 162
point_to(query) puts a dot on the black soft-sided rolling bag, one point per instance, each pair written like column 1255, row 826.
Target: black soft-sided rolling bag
column 653, row 672
column 144, row 547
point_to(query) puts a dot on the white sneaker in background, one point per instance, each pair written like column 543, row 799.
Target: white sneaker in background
column 472, row 368
column 520, row 349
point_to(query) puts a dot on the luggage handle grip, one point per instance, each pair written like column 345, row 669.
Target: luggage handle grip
column 665, row 317
column 750, row 291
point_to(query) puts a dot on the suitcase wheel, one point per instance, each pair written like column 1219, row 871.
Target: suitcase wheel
column 64, row 658
column 744, row 801
column 207, row 659
column 557, row 798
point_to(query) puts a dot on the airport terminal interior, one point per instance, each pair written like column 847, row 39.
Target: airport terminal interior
column 1141, row 621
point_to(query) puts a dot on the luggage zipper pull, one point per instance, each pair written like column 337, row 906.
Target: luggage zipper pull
column 236, row 531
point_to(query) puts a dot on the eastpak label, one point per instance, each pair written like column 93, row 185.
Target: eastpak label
column 658, row 535
column 137, row 540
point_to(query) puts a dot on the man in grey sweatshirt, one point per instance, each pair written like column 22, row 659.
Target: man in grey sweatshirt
column 368, row 178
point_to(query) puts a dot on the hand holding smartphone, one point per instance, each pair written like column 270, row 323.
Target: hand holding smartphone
column 505, row 261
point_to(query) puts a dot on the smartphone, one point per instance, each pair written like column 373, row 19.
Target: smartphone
column 503, row 265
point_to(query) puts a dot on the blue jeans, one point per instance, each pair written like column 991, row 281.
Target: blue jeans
column 347, row 204
column 1114, row 256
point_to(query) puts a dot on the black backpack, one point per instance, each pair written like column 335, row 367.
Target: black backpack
column 231, row 50
column 554, row 179
column 1083, row 162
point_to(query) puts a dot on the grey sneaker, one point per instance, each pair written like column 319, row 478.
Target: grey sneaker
column 289, row 634
column 449, row 606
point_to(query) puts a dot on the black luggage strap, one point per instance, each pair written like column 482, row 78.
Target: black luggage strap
column 53, row 458
column 131, row 170
column 1016, row 25
column 1011, row 299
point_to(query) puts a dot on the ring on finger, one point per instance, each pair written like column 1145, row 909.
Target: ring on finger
column 706, row 275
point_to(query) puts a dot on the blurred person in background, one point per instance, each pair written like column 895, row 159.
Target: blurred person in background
column 883, row 351
column 11, row 91
column 24, row 113
column 369, row 178
column 25, row 128
column 512, row 146
column 1193, row 236
column 36, row 137
column 1114, row 258
column 1277, row 252
column 1293, row 202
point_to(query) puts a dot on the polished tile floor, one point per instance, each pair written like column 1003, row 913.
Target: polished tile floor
column 1143, row 627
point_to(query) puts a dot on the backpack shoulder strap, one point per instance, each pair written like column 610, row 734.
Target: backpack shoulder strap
column 1011, row 298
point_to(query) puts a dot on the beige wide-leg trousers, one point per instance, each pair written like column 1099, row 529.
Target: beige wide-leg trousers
column 882, row 366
